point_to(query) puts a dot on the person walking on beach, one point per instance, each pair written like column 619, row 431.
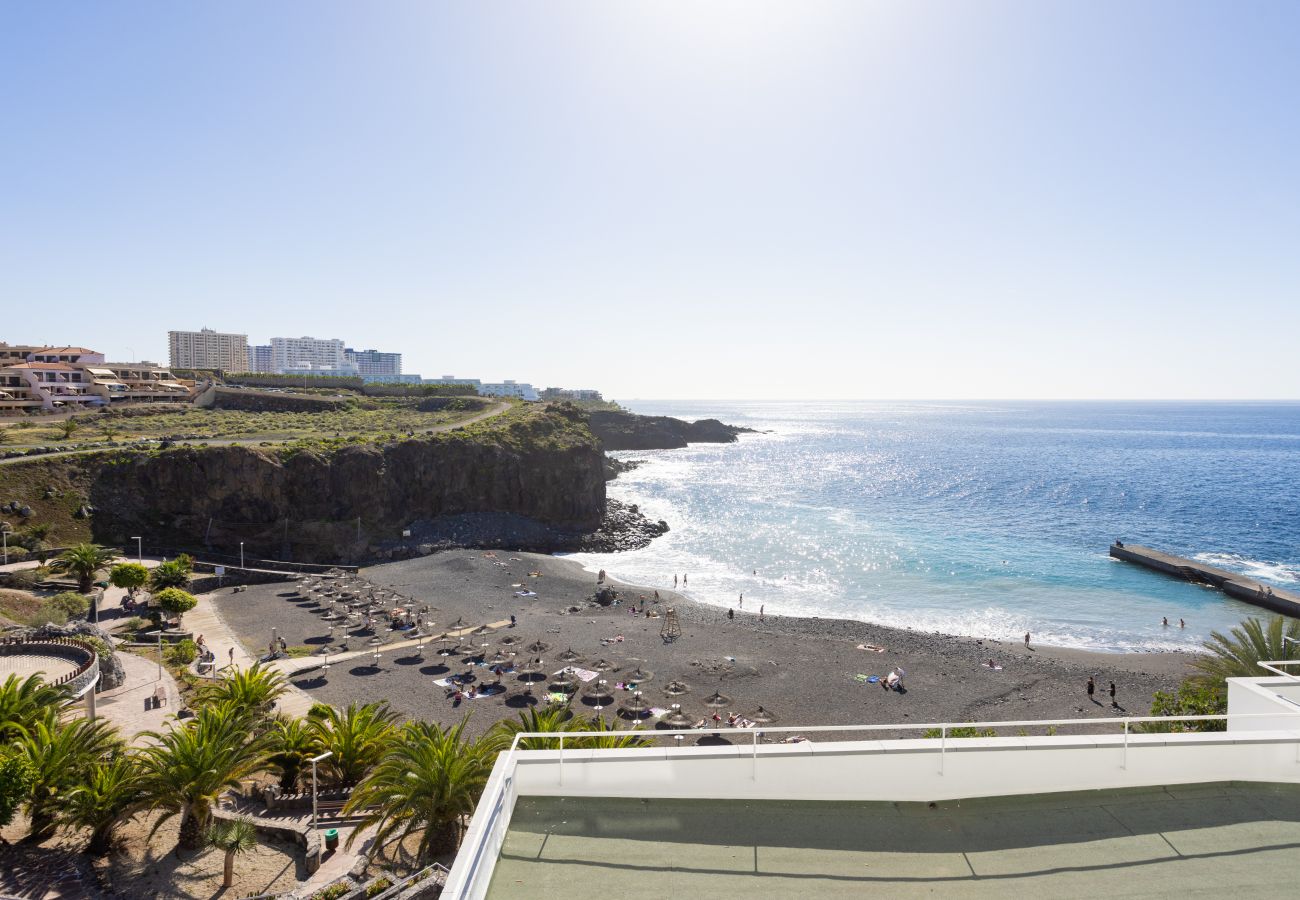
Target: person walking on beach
column 674, row 581
column 1027, row 647
column 760, row 613
column 683, row 579
column 232, row 656
column 1092, row 686
column 731, row 614
column 742, row 601
column 1114, row 704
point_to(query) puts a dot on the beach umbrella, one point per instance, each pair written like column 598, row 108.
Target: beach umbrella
column 570, row 655
column 717, row 701
column 676, row 688
column 532, row 671
column 677, row 718
column 537, row 647
column 509, row 640
column 635, row 707
column 482, row 629
column 761, row 716
column 600, row 692
column 639, row 675
column 499, row 659
column 565, row 682
column 602, row 665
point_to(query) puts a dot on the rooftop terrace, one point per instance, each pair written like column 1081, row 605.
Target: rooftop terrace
column 1188, row 841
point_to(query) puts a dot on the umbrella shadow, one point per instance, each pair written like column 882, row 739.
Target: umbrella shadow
column 365, row 670
column 317, row 641
column 435, row 669
column 412, row 660
column 521, row 701
column 315, row 681
column 713, row 740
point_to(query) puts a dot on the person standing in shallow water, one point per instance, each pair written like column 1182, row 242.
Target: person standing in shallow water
column 683, row 579
column 674, row 581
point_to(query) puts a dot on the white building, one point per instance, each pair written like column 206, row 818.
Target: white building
column 374, row 362
column 391, row 379
column 508, row 388
column 326, row 353
column 309, row 369
column 452, row 379
column 208, row 349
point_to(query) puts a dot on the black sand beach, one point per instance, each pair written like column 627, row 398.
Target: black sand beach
column 802, row 670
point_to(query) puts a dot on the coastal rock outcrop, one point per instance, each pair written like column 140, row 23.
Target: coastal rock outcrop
column 618, row 430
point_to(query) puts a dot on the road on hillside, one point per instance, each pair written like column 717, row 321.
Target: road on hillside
column 494, row 410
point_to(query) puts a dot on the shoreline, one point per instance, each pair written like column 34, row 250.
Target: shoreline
column 1151, row 662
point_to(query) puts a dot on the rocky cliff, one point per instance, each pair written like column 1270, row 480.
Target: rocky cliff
column 541, row 464
column 628, row 431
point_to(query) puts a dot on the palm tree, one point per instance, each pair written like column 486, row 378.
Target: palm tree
column 428, row 782
column 254, row 689
column 358, row 738
column 1253, row 641
column 23, row 702
column 170, row 573
column 556, row 719
column 62, row 754
column 113, row 791
column 293, row 743
column 188, row 767
column 66, row 428
column 83, row 562
column 614, row 738
column 232, row 836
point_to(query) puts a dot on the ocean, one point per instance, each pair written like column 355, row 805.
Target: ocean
column 983, row 519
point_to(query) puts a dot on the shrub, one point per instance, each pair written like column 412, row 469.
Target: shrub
column 71, row 603
column 128, row 575
column 378, row 887
column 333, row 892
column 175, row 601
column 174, row 573
column 18, row 554
column 182, row 654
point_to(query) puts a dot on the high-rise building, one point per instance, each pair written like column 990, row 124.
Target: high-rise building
column 373, row 362
column 208, row 349
column 259, row 359
column 288, row 353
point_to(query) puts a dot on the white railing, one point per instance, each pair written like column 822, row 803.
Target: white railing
column 474, row 863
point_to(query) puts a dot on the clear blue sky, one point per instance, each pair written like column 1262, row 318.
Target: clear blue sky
column 902, row 199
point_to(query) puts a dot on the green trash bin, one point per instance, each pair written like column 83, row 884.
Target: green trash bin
column 331, row 839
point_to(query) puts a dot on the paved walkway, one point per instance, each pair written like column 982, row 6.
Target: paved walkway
column 128, row 706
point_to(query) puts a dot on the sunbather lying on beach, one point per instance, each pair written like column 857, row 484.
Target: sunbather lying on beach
column 872, row 647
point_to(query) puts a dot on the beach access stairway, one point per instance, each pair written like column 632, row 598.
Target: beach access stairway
column 1233, row 584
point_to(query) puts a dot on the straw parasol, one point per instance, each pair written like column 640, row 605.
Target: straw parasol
column 602, row 665
column 538, row 647
column 761, row 716
column 635, row 707
column 565, row 682
column 499, row 659
column 717, row 701
column 639, row 675
column 676, row 688
column 677, row 718
column 600, row 692
column 532, row 670
column 509, row 640
column 570, row 655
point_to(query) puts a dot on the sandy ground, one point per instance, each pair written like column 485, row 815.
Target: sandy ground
column 802, row 670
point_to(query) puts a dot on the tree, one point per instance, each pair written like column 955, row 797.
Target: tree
column 556, row 718
column 128, row 575
column 1239, row 654
column 172, row 573
column 83, row 562
column 175, row 602
column 232, row 837
column 254, row 689
column 67, row 428
column 1194, row 697
column 109, row 430
column 112, row 792
column 17, row 775
column 427, row 783
column 614, row 737
column 293, row 743
column 187, row 768
column 62, row 753
column 23, row 702
column 357, row 737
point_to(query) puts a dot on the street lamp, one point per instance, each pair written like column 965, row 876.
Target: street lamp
column 139, row 548
column 315, row 759
column 241, row 554
column 160, row 634
column 5, row 535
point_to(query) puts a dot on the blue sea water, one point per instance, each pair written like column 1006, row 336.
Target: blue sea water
column 984, row 519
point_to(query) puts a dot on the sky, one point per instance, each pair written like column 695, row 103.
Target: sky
column 1029, row 199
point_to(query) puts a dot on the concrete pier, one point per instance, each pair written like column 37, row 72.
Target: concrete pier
column 1231, row 583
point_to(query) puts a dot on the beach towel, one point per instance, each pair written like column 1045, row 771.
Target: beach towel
column 557, row 697
column 525, row 593
column 657, row 712
column 583, row 675
column 872, row 647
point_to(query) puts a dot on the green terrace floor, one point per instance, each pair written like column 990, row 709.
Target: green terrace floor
column 1211, row 840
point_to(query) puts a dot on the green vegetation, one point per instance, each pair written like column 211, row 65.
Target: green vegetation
column 175, row 602
column 17, row 776
column 129, row 575
column 112, row 792
column 232, row 837
column 83, row 562
column 172, row 573
column 959, row 732
column 181, row 653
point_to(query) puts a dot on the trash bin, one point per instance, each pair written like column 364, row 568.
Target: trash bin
column 332, row 839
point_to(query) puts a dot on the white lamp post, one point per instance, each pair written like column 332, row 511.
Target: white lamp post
column 5, row 535
column 241, row 554
column 139, row 548
column 315, row 759
column 160, row 658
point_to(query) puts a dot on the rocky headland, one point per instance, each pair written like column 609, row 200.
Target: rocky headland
column 618, row 430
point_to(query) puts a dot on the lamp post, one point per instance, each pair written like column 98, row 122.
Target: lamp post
column 5, row 535
column 241, row 554
column 160, row 658
column 139, row 548
column 315, row 759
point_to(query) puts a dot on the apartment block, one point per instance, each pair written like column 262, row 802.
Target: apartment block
column 374, row 362
column 327, row 353
column 208, row 349
column 71, row 378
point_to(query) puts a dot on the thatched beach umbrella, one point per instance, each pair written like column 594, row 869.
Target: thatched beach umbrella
column 538, row 647
column 717, row 701
column 600, row 692
column 676, row 688
column 565, row 682
column 761, row 716
column 509, row 640
column 635, row 707
column 532, row 671
column 499, row 659
column 677, row 718
column 602, row 665
column 639, row 675
column 570, row 655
